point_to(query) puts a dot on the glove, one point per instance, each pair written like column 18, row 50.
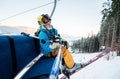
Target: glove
column 54, row 45
column 25, row 34
column 37, row 32
column 65, row 43
column 57, row 39
column 55, row 42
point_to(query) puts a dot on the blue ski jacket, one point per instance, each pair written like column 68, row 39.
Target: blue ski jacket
column 44, row 37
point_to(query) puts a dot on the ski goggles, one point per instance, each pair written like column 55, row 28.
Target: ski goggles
column 46, row 19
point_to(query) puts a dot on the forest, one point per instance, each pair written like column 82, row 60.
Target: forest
column 109, row 34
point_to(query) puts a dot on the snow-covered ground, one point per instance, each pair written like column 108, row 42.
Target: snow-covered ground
column 100, row 69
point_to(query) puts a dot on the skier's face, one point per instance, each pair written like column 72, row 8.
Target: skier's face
column 45, row 20
column 48, row 25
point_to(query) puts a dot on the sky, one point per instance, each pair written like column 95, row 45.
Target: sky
column 71, row 17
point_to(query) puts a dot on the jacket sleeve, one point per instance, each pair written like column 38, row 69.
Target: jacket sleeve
column 45, row 43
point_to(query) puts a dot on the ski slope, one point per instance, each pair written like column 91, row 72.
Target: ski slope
column 100, row 69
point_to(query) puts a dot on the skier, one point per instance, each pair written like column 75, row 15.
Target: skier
column 49, row 42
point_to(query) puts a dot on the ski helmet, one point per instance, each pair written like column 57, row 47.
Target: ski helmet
column 43, row 19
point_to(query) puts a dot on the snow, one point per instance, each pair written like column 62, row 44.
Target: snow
column 100, row 69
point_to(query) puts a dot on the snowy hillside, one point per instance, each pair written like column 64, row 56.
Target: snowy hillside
column 100, row 69
column 69, row 37
column 8, row 30
column 16, row 30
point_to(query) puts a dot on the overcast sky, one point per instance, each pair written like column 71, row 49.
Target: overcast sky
column 72, row 17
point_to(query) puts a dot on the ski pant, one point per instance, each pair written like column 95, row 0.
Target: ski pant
column 66, row 55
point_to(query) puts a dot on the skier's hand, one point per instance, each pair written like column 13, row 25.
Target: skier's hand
column 57, row 39
column 54, row 45
column 65, row 43
column 55, row 42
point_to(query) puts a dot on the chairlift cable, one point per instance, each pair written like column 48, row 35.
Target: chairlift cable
column 31, row 10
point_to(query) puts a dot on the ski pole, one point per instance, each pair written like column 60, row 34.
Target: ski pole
column 27, row 67
column 55, row 68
